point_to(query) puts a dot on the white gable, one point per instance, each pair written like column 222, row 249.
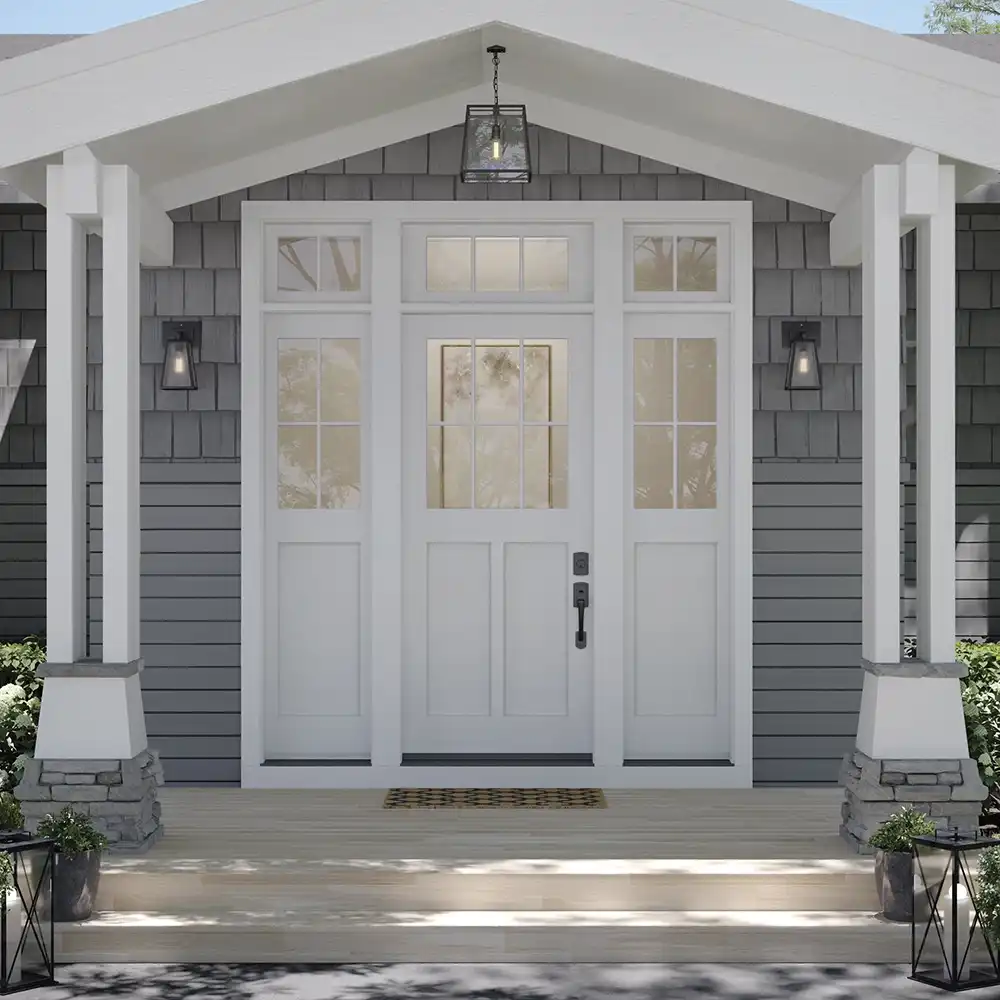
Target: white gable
column 766, row 93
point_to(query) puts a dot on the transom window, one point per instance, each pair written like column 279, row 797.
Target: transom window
column 498, row 263
column 311, row 263
column 665, row 263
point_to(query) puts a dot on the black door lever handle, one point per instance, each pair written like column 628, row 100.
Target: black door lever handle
column 581, row 601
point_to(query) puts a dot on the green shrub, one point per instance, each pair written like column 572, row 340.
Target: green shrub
column 981, row 703
column 988, row 902
column 20, row 703
column 74, row 832
column 11, row 817
column 898, row 831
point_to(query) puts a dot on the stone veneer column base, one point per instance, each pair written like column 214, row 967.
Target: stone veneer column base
column 949, row 791
column 118, row 795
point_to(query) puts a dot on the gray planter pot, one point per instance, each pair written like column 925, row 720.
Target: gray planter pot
column 76, row 883
column 894, row 882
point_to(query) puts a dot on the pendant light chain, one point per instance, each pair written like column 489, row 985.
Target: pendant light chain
column 496, row 82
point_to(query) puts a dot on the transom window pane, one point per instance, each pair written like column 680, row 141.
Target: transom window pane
column 497, row 424
column 674, row 453
column 340, row 263
column 319, row 424
column 328, row 266
column 675, row 263
column 497, row 264
column 297, row 264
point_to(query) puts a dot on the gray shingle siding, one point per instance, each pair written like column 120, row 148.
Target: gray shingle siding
column 806, row 447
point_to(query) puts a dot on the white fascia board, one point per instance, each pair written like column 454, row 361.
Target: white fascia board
column 913, row 101
column 214, row 67
column 679, row 150
column 295, row 157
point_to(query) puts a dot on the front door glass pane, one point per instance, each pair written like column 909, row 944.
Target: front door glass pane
column 510, row 449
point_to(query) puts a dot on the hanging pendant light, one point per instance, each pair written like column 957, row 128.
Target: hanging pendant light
column 496, row 148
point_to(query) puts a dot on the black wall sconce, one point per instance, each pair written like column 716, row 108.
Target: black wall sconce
column 802, row 341
column 180, row 339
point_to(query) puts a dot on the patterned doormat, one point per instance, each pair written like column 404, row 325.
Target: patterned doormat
column 495, row 798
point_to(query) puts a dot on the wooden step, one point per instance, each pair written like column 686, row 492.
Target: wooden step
column 510, row 884
column 329, row 936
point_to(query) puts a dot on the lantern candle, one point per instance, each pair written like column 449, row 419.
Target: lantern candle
column 957, row 920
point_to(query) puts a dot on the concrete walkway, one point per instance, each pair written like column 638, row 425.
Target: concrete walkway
column 488, row 982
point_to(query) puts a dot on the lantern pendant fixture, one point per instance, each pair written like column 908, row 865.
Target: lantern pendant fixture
column 803, row 370
column 495, row 147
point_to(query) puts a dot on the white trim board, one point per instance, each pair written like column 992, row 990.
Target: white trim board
column 385, row 221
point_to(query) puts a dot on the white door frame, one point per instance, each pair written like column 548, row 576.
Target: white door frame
column 386, row 221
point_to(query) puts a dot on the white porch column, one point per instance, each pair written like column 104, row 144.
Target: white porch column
column 92, row 726
column 911, row 744
column 936, row 429
column 65, row 428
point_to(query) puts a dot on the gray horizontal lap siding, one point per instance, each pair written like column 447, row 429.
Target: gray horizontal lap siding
column 806, row 447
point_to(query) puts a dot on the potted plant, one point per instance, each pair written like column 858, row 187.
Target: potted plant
column 78, row 863
column 893, row 843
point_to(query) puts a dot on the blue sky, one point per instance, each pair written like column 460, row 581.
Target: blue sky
column 80, row 16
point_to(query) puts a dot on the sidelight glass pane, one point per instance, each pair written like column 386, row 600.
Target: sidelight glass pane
column 449, row 264
column 653, row 263
column 545, row 467
column 297, row 380
column 340, row 388
column 340, row 468
column 297, row 264
column 654, row 468
column 653, row 373
column 546, row 264
column 696, row 381
column 498, row 382
column 297, row 479
column 340, row 263
column 449, row 468
column 696, row 472
column 697, row 264
column 498, row 467
column 498, row 264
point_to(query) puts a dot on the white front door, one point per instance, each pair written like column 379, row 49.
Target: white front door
column 497, row 481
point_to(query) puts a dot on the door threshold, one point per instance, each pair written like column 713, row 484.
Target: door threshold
column 317, row 762
column 498, row 760
column 644, row 762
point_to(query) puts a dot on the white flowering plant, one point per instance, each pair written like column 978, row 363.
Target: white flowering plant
column 20, row 703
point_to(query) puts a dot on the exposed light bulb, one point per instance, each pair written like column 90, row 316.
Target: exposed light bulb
column 180, row 364
column 804, row 365
column 496, row 149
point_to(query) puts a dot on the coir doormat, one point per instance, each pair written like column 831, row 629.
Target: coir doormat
column 495, row 798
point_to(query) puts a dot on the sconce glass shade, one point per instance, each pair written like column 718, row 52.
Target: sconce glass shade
column 803, row 365
column 178, row 366
column 496, row 148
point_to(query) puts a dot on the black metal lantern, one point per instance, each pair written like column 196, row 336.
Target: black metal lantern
column 803, row 358
column 179, row 342
column 27, row 928
column 951, row 949
column 496, row 147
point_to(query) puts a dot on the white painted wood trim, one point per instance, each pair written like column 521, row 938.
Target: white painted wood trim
column 386, row 502
column 936, row 427
column 121, row 415
column 498, row 777
column 610, row 492
column 880, row 416
column 327, row 147
column 741, row 490
column 680, row 150
column 66, row 428
column 386, row 218
column 252, row 477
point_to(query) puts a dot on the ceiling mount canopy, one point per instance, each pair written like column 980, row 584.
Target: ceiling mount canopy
column 496, row 147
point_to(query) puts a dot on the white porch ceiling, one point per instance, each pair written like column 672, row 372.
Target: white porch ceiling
column 775, row 96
